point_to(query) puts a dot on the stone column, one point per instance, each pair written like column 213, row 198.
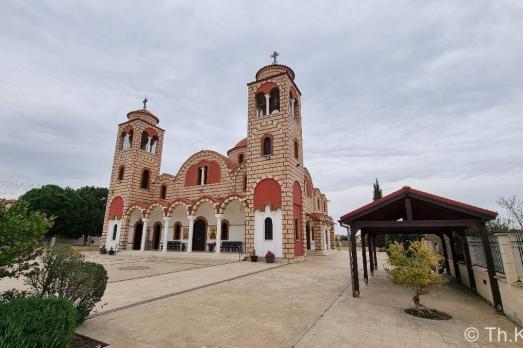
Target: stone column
column 166, row 227
column 507, row 255
column 219, row 218
column 144, row 233
column 267, row 99
column 292, row 106
column 191, row 226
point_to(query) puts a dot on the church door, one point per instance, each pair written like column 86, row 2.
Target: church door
column 156, row 236
column 137, row 240
column 199, row 235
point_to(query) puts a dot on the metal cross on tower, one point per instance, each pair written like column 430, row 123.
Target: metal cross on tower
column 274, row 55
column 145, row 103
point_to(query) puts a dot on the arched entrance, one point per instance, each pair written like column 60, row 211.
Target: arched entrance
column 199, row 235
column 308, row 232
column 137, row 239
column 157, row 232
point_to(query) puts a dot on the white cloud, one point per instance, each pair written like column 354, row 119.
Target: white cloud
column 417, row 93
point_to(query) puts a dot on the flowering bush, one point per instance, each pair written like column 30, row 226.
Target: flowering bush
column 269, row 254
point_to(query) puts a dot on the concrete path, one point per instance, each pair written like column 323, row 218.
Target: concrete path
column 306, row 304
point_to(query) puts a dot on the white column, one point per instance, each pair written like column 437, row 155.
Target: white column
column 219, row 218
column 148, row 145
column 267, row 98
column 191, row 225
column 144, row 233
column 166, row 227
column 507, row 256
column 292, row 107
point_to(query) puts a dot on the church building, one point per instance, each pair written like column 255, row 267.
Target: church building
column 258, row 198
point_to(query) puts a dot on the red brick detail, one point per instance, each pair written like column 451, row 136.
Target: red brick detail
column 308, row 184
column 268, row 191
column 151, row 131
column 116, row 209
column 294, row 93
column 213, row 173
column 191, row 177
column 127, row 129
column 267, row 87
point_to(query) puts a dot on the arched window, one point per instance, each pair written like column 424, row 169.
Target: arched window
column 177, row 231
column 261, row 104
column 240, row 158
column 225, row 230
column 296, row 149
column 202, row 175
column 268, row 228
column 244, row 182
column 267, row 146
column 274, row 101
column 121, row 172
column 325, row 206
column 318, row 204
column 127, row 139
column 148, row 142
column 115, row 230
column 312, row 233
column 163, row 192
column 144, row 184
column 296, row 230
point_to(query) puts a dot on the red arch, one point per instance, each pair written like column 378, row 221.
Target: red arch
column 116, row 209
column 297, row 197
column 127, row 129
column 268, row 191
column 293, row 92
column 267, row 87
column 151, row 131
column 213, row 174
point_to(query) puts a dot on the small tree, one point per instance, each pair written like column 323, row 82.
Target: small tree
column 514, row 208
column 63, row 273
column 377, row 194
column 21, row 233
column 416, row 268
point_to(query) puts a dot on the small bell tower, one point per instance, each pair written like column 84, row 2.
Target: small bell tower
column 136, row 164
column 274, row 145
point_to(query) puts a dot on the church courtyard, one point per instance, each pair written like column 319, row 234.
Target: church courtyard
column 171, row 300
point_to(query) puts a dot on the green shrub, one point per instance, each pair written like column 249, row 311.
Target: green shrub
column 35, row 322
column 63, row 273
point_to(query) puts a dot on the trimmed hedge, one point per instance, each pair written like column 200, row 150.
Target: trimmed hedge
column 35, row 322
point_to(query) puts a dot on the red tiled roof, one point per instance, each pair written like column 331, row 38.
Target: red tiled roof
column 407, row 190
column 241, row 143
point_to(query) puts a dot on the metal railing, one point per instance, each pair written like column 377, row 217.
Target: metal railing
column 477, row 255
column 517, row 247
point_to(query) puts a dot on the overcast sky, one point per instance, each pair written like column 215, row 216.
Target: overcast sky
column 414, row 93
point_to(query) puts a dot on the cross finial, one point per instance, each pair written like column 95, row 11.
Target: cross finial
column 145, row 103
column 274, row 55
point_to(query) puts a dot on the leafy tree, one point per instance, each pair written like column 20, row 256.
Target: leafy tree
column 414, row 268
column 21, row 233
column 75, row 212
column 93, row 201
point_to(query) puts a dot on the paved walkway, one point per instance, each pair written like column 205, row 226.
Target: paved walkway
column 307, row 304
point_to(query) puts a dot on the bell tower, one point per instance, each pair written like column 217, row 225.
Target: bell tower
column 274, row 145
column 136, row 164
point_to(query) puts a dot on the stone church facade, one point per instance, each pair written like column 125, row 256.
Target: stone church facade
column 258, row 198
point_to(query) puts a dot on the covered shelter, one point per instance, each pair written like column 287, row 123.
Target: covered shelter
column 410, row 211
